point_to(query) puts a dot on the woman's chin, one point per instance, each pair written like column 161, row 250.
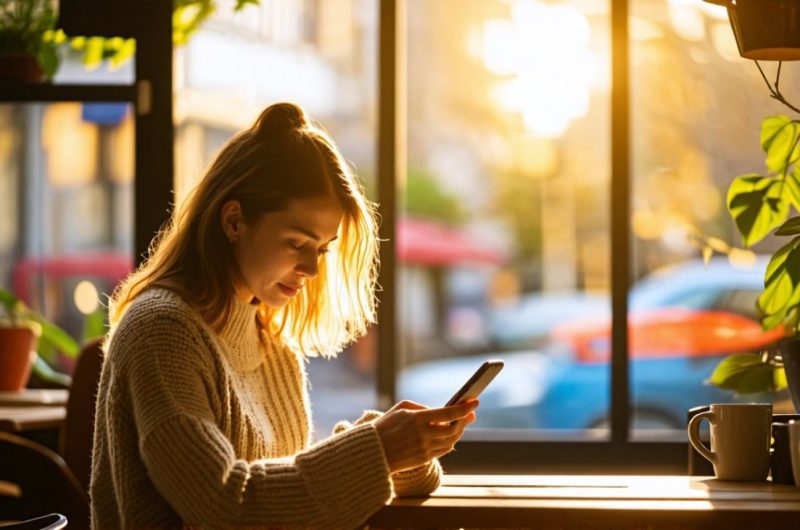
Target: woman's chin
column 275, row 301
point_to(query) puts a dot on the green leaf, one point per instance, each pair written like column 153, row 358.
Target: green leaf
column 47, row 351
column 757, row 205
column 241, row 3
column 779, row 378
column 186, row 18
column 125, row 52
column 782, row 149
column 77, row 43
column 48, row 59
column 778, row 260
column 46, row 373
column 789, row 228
column 746, row 373
column 792, row 183
column 95, row 324
column 58, row 338
column 93, row 52
column 771, row 126
column 781, row 285
column 8, row 299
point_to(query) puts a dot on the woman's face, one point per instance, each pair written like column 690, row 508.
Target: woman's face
column 279, row 252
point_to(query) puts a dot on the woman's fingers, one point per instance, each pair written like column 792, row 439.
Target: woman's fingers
column 412, row 434
column 446, row 430
column 444, row 446
column 409, row 405
column 447, row 414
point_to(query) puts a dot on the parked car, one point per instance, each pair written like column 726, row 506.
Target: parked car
column 682, row 321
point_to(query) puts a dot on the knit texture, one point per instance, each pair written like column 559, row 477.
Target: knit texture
column 204, row 430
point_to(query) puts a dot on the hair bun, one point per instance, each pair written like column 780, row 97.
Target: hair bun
column 281, row 117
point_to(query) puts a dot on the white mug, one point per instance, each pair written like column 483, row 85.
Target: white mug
column 740, row 437
column 794, row 450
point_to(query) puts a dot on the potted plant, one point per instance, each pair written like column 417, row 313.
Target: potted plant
column 764, row 29
column 25, row 54
column 23, row 332
column 760, row 205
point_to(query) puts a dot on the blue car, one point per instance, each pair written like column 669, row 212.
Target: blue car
column 683, row 321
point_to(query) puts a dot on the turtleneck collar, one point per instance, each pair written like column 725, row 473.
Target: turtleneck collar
column 241, row 334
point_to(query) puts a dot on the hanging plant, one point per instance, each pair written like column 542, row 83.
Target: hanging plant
column 25, row 55
column 760, row 205
column 42, row 37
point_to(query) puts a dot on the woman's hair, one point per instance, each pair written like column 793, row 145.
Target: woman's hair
column 283, row 156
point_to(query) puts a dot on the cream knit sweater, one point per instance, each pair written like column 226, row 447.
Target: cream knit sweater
column 206, row 430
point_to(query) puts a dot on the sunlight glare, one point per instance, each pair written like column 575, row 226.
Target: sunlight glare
column 86, row 297
column 724, row 42
column 647, row 224
column 543, row 49
column 642, row 29
column 500, row 47
column 688, row 23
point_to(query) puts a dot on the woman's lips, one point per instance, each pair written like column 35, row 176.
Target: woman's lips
column 288, row 291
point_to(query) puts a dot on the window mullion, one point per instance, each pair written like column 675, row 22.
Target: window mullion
column 620, row 215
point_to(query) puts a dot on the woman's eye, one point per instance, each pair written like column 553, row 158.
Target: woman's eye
column 322, row 251
column 297, row 246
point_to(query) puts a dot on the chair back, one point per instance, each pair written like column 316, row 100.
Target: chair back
column 78, row 432
column 54, row 521
column 44, row 481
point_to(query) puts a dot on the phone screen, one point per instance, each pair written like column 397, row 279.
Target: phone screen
column 479, row 380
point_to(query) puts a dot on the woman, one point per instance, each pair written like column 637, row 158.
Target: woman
column 203, row 417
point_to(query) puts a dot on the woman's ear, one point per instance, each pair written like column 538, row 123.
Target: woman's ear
column 232, row 220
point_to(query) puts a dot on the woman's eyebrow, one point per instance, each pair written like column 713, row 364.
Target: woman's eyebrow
column 309, row 233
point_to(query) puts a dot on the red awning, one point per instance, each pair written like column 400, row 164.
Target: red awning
column 426, row 242
column 108, row 265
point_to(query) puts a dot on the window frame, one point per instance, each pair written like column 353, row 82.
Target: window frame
column 618, row 454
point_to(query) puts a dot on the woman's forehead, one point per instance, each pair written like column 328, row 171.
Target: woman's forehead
column 318, row 218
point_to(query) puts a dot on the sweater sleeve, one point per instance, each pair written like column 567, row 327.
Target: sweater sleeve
column 337, row 483
column 415, row 482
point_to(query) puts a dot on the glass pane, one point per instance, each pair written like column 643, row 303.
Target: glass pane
column 83, row 66
column 66, row 206
column 687, row 147
column 320, row 55
column 504, row 233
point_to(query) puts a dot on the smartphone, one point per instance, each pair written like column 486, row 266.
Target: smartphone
column 479, row 380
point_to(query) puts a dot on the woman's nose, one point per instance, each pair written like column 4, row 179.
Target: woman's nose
column 309, row 265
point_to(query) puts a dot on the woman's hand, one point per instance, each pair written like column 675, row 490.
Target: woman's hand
column 413, row 435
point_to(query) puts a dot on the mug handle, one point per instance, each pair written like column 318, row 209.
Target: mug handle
column 694, row 435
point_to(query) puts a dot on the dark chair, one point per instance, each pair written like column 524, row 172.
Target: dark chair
column 44, row 481
column 54, row 521
column 77, row 434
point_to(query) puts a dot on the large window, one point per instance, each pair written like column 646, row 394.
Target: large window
column 67, row 210
column 503, row 238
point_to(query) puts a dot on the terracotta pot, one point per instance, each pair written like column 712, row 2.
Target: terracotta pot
column 16, row 357
column 21, row 68
column 765, row 30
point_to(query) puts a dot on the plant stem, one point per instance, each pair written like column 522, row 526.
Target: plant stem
column 775, row 92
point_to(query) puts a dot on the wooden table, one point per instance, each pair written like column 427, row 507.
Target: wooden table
column 557, row 502
column 32, row 409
